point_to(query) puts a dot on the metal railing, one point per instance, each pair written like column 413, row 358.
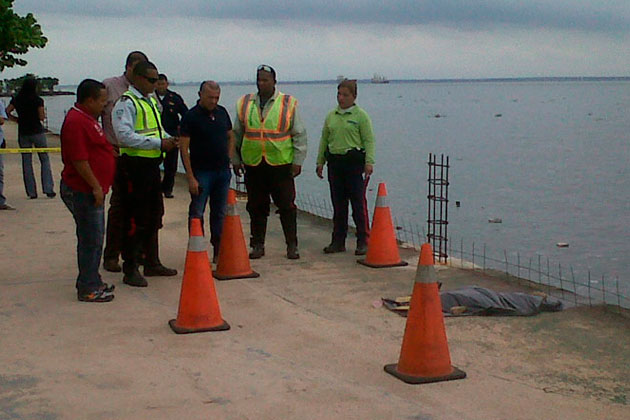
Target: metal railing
column 553, row 278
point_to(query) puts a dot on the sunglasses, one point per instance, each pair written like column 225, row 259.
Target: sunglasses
column 266, row 68
column 151, row 79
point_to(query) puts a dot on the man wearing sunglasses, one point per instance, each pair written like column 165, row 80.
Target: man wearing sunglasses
column 115, row 235
column 142, row 140
column 271, row 145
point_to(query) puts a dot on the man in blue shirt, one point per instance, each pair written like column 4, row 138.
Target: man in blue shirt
column 207, row 143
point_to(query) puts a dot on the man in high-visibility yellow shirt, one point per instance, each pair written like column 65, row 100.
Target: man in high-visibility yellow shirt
column 142, row 139
column 271, row 146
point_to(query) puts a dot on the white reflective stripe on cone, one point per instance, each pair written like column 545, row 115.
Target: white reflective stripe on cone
column 196, row 244
column 381, row 201
column 231, row 210
column 426, row 274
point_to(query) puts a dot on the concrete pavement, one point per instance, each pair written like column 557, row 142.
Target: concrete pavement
column 306, row 340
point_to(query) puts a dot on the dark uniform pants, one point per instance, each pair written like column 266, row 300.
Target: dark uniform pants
column 116, row 233
column 265, row 181
column 170, row 169
column 143, row 207
column 345, row 176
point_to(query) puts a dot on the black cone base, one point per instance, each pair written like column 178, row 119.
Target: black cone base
column 251, row 275
column 415, row 380
column 367, row 264
column 181, row 330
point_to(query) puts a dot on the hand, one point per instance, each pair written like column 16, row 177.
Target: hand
column 176, row 141
column 320, row 171
column 238, row 169
column 368, row 169
column 168, row 144
column 116, row 150
column 99, row 197
column 296, row 170
column 193, row 186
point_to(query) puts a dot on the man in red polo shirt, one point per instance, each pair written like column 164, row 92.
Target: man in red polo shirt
column 87, row 175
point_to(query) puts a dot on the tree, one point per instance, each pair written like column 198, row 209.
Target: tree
column 48, row 83
column 17, row 35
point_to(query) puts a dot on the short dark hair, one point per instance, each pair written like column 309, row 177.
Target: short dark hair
column 89, row 88
column 351, row 85
column 211, row 84
column 142, row 67
column 162, row 76
column 135, row 56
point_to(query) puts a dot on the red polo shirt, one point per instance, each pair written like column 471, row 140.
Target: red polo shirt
column 82, row 138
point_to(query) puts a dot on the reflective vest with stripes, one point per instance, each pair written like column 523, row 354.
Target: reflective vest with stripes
column 270, row 137
column 148, row 124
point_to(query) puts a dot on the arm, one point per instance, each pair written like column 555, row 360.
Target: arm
column 231, row 147
column 323, row 146
column 9, row 111
column 193, row 185
column 298, row 135
column 367, row 137
column 84, row 169
column 237, row 133
column 41, row 113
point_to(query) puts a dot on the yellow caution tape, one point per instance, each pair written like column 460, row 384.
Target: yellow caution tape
column 31, row 150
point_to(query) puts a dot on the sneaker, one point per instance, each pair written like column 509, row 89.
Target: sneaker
column 6, row 207
column 112, row 265
column 334, row 248
column 32, row 197
column 135, row 279
column 361, row 249
column 168, row 195
column 292, row 252
column 51, row 194
column 96, row 296
column 258, row 251
column 159, row 270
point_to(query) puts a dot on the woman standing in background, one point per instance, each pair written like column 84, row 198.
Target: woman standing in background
column 30, row 114
column 347, row 145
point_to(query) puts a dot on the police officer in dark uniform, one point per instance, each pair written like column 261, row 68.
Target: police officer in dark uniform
column 173, row 109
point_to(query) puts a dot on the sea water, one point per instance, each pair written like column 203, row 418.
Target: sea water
column 549, row 158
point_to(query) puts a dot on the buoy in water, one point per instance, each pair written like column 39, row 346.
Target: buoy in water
column 495, row 220
column 562, row 245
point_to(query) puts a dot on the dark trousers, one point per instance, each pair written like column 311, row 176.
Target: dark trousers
column 143, row 206
column 90, row 224
column 170, row 169
column 345, row 176
column 265, row 181
column 116, row 233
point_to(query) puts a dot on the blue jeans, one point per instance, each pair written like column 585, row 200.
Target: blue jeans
column 35, row 140
column 90, row 221
column 213, row 185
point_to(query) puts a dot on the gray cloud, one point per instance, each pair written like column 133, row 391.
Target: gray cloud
column 582, row 15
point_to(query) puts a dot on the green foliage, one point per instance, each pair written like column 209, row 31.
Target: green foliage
column 13, row 85
column 17, row 35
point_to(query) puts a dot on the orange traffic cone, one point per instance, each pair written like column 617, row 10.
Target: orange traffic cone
column 198, row 304
column 424, row 356
column 382, row 247
column 233, row 257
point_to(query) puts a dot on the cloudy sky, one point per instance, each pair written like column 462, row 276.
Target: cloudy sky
column 191, row 40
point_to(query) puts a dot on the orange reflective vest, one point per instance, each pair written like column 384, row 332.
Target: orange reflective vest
column 270, row 137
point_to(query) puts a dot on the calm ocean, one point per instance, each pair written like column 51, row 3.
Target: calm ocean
column 551, row 159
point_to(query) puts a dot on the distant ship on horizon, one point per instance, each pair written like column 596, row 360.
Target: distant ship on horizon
column 379, row 78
